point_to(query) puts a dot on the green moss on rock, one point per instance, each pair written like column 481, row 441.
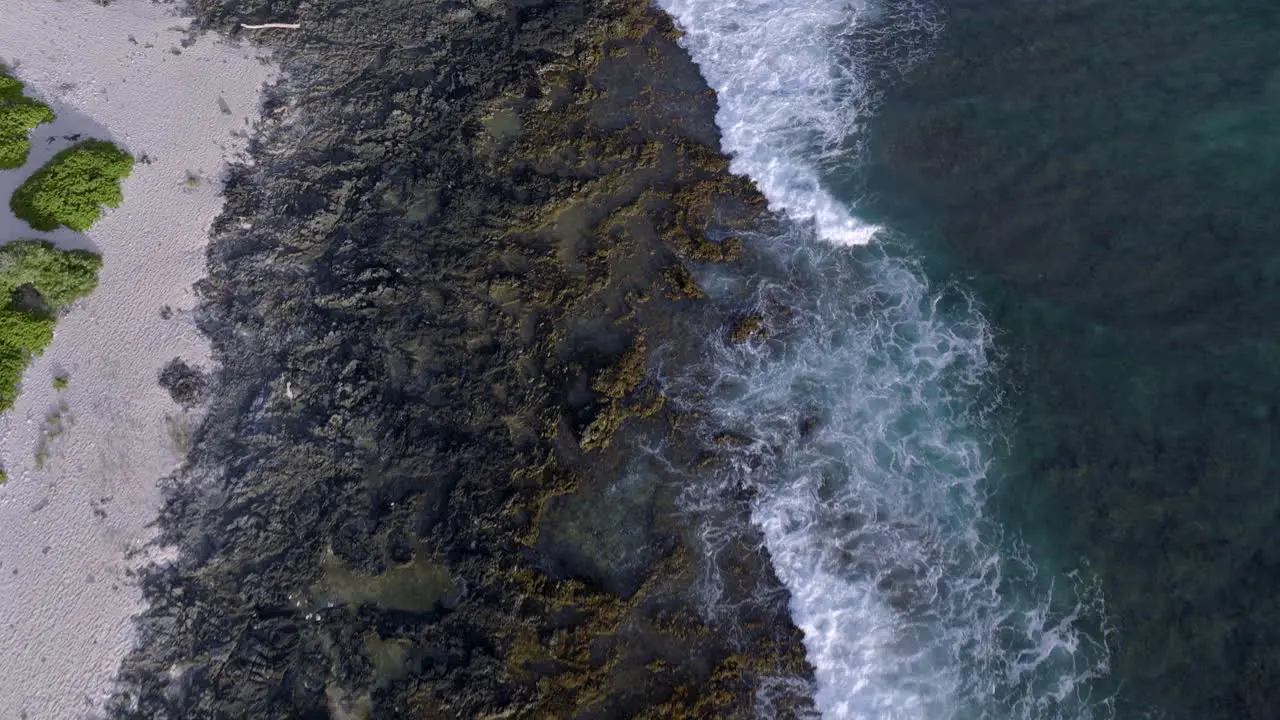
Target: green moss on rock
column 19, row 114
column 748, row 328
column 681, row 284
column 37, row 280
column 625, row 398
column 72, row 188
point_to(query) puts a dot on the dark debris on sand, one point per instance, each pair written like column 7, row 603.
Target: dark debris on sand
column 187, row 385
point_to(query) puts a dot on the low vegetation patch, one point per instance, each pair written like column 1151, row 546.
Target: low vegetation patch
column 37, row 281
column 71, row 189
column 19, row 114
column 55, row 423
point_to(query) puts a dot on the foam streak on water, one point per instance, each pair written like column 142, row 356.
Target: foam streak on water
column 861, row 426
column 782, row 99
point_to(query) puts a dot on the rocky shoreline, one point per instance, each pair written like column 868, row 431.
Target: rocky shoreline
column 434, row 298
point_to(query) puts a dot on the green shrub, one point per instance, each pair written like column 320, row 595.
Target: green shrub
column 26, row 330
column 60, row 276
column 71, row 188
column 18, row 115
column 37, row 281
column 12, row 363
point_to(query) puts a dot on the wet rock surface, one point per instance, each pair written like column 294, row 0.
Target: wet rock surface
column 433, row 300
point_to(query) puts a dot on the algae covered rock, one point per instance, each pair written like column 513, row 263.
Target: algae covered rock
column 38, row 280
column 432, row 383
column 19, row 114
column 71, row 189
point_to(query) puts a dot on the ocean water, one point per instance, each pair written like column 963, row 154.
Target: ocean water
column 1102, row 174
column 866, row 426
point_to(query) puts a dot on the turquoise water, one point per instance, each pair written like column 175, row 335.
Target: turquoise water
column 1103, row 177
column 866, row 428
column 1010, row 439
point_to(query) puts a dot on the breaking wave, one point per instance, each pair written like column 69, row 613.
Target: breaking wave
column 862, row 428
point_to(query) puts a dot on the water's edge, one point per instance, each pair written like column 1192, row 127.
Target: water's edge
column 861, row 415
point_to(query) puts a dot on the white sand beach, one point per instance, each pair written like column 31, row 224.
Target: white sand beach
column 75, row 511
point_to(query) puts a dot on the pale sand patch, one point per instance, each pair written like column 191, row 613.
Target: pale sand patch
column 67, row 529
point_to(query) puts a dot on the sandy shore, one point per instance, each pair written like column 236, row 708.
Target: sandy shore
column 83, row 463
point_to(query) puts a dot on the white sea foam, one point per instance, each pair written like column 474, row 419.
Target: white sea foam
column 865, row 438
column 865, row 417
column 784, row 100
